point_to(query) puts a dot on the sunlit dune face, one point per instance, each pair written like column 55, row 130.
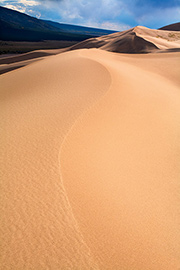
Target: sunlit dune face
column 91, row 161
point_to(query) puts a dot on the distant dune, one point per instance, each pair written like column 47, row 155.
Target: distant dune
column 171, row 27
column 16, row 61
column 136, row 40
column 90, row 155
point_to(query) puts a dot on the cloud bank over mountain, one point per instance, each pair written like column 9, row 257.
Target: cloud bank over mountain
column 110, row 14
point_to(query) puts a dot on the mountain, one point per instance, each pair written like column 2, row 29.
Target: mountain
column 171, row 27
column 17, row 26
column 136, row 40
column 76, row 29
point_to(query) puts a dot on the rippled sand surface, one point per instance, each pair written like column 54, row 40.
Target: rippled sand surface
column 90, row 173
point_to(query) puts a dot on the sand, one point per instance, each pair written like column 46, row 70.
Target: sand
column 139, row 39
column 122, row 158
column 90, row 172
column 9, row 63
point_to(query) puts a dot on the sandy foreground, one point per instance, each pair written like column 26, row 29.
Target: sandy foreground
column 91, row 151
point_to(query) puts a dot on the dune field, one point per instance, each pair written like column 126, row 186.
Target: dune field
column 91, row 151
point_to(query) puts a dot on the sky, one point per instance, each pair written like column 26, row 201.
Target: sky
column 107, row 14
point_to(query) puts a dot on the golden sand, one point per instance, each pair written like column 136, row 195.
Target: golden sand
column 90, row 174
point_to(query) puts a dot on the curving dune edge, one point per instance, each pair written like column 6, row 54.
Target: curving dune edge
column 90, row 178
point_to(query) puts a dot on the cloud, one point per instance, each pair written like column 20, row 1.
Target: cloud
column 17, row 8
column 20, row 3
column 111, row 14
column 114, row 14
column 24, row 6
column 111, row 26
column 86, row 12
column 28, row 2
column 34, row 13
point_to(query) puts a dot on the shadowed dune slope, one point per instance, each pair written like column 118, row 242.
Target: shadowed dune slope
column 136, row 40
column 171, row 27
column 26, row 56
column 14, row 62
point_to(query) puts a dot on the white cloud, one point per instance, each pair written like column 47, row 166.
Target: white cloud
column 28, row 2
column 20, row 2
column 17, row 8
column 34, row 13
column 92, row 13
column 108, row 14
column 38, row 16
column 114, row 26
column 108, row 25
column 24, row 6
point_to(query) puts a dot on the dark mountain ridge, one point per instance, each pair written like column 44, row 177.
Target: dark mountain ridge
column 17, row 26
column 76, row 29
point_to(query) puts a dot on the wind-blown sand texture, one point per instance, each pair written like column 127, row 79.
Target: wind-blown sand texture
column 90, row 173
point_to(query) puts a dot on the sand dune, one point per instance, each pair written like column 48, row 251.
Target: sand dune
column 38, row 229
column 17, row 61
column 24, row 57
column 136, row 40
column 171, row 27
column 162, row 39
column 91, row 162
column 121, row 157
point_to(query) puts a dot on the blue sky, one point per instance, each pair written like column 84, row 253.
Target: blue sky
column 107, row 14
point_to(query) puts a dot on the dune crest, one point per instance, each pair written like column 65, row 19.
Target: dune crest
column 164, row 40
column 139, row 39
column 90, row 153
column 38, row 229
column 119, row 166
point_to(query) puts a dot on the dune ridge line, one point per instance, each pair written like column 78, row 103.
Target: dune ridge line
column 43, row 125
column 92, row 185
